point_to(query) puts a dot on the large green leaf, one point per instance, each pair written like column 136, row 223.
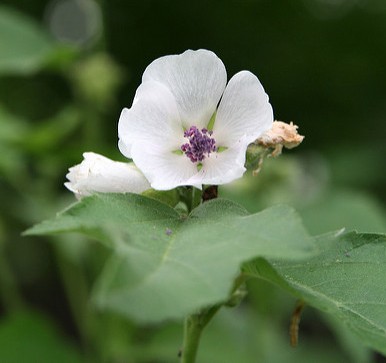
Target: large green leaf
column 348, row 280
column 24, row 47
column 165, row 265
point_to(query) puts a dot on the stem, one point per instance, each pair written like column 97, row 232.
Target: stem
column 9, row 292
column 76, row 288
column 295, row 320
column 211, row 192
column 192, row 334
column 194, row 325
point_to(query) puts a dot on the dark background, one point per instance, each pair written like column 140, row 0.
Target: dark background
column 322, row 62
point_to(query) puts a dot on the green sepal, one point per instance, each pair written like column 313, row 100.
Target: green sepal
column 211, row 122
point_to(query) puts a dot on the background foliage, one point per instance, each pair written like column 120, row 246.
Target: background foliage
column 321, row 62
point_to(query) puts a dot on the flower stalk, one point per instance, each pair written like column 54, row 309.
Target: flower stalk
column 195, row 323
column 193, row 327
column 10, row 295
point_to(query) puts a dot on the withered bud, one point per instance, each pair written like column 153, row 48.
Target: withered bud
column 281, row 134
column 272, row 142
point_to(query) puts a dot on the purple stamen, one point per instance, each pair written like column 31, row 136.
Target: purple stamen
column 200, row 144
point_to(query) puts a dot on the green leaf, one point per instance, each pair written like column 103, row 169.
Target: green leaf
column 27, row 337
column 169, row 197
column 24, row 47
column 347, row 280
column 343, row 208
column 13, row 129
column 352, row 345
column 13, row 133
column 166, row 266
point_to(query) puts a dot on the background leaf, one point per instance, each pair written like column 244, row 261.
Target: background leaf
column 347, row 280
column 165, row 266
column 24, row 47
column 344, row 209
column 27, row 337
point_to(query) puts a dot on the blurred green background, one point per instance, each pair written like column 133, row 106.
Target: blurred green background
column 68, row 67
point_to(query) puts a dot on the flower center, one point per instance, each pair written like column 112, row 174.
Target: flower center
column 200, row 144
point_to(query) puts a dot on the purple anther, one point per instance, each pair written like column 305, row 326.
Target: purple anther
column 200, row 144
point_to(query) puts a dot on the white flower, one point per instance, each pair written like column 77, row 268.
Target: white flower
column 97, row 173
column 169, row 131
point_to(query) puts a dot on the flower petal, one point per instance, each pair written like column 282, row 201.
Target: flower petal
column 244, row 110
column 164, row 169
column 197, row 80
column 153, row 117
column 223, row 167
column 97, row 173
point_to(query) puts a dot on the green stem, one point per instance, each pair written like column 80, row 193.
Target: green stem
column 194, row 325
column 76, row 288
column 192, row 334
column 9, row 292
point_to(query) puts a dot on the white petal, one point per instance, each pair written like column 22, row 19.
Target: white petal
column 224, row 167
column 197, row 80
column 97, row 173
column 153, row 118
column 244, row 110
column 164, row 169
